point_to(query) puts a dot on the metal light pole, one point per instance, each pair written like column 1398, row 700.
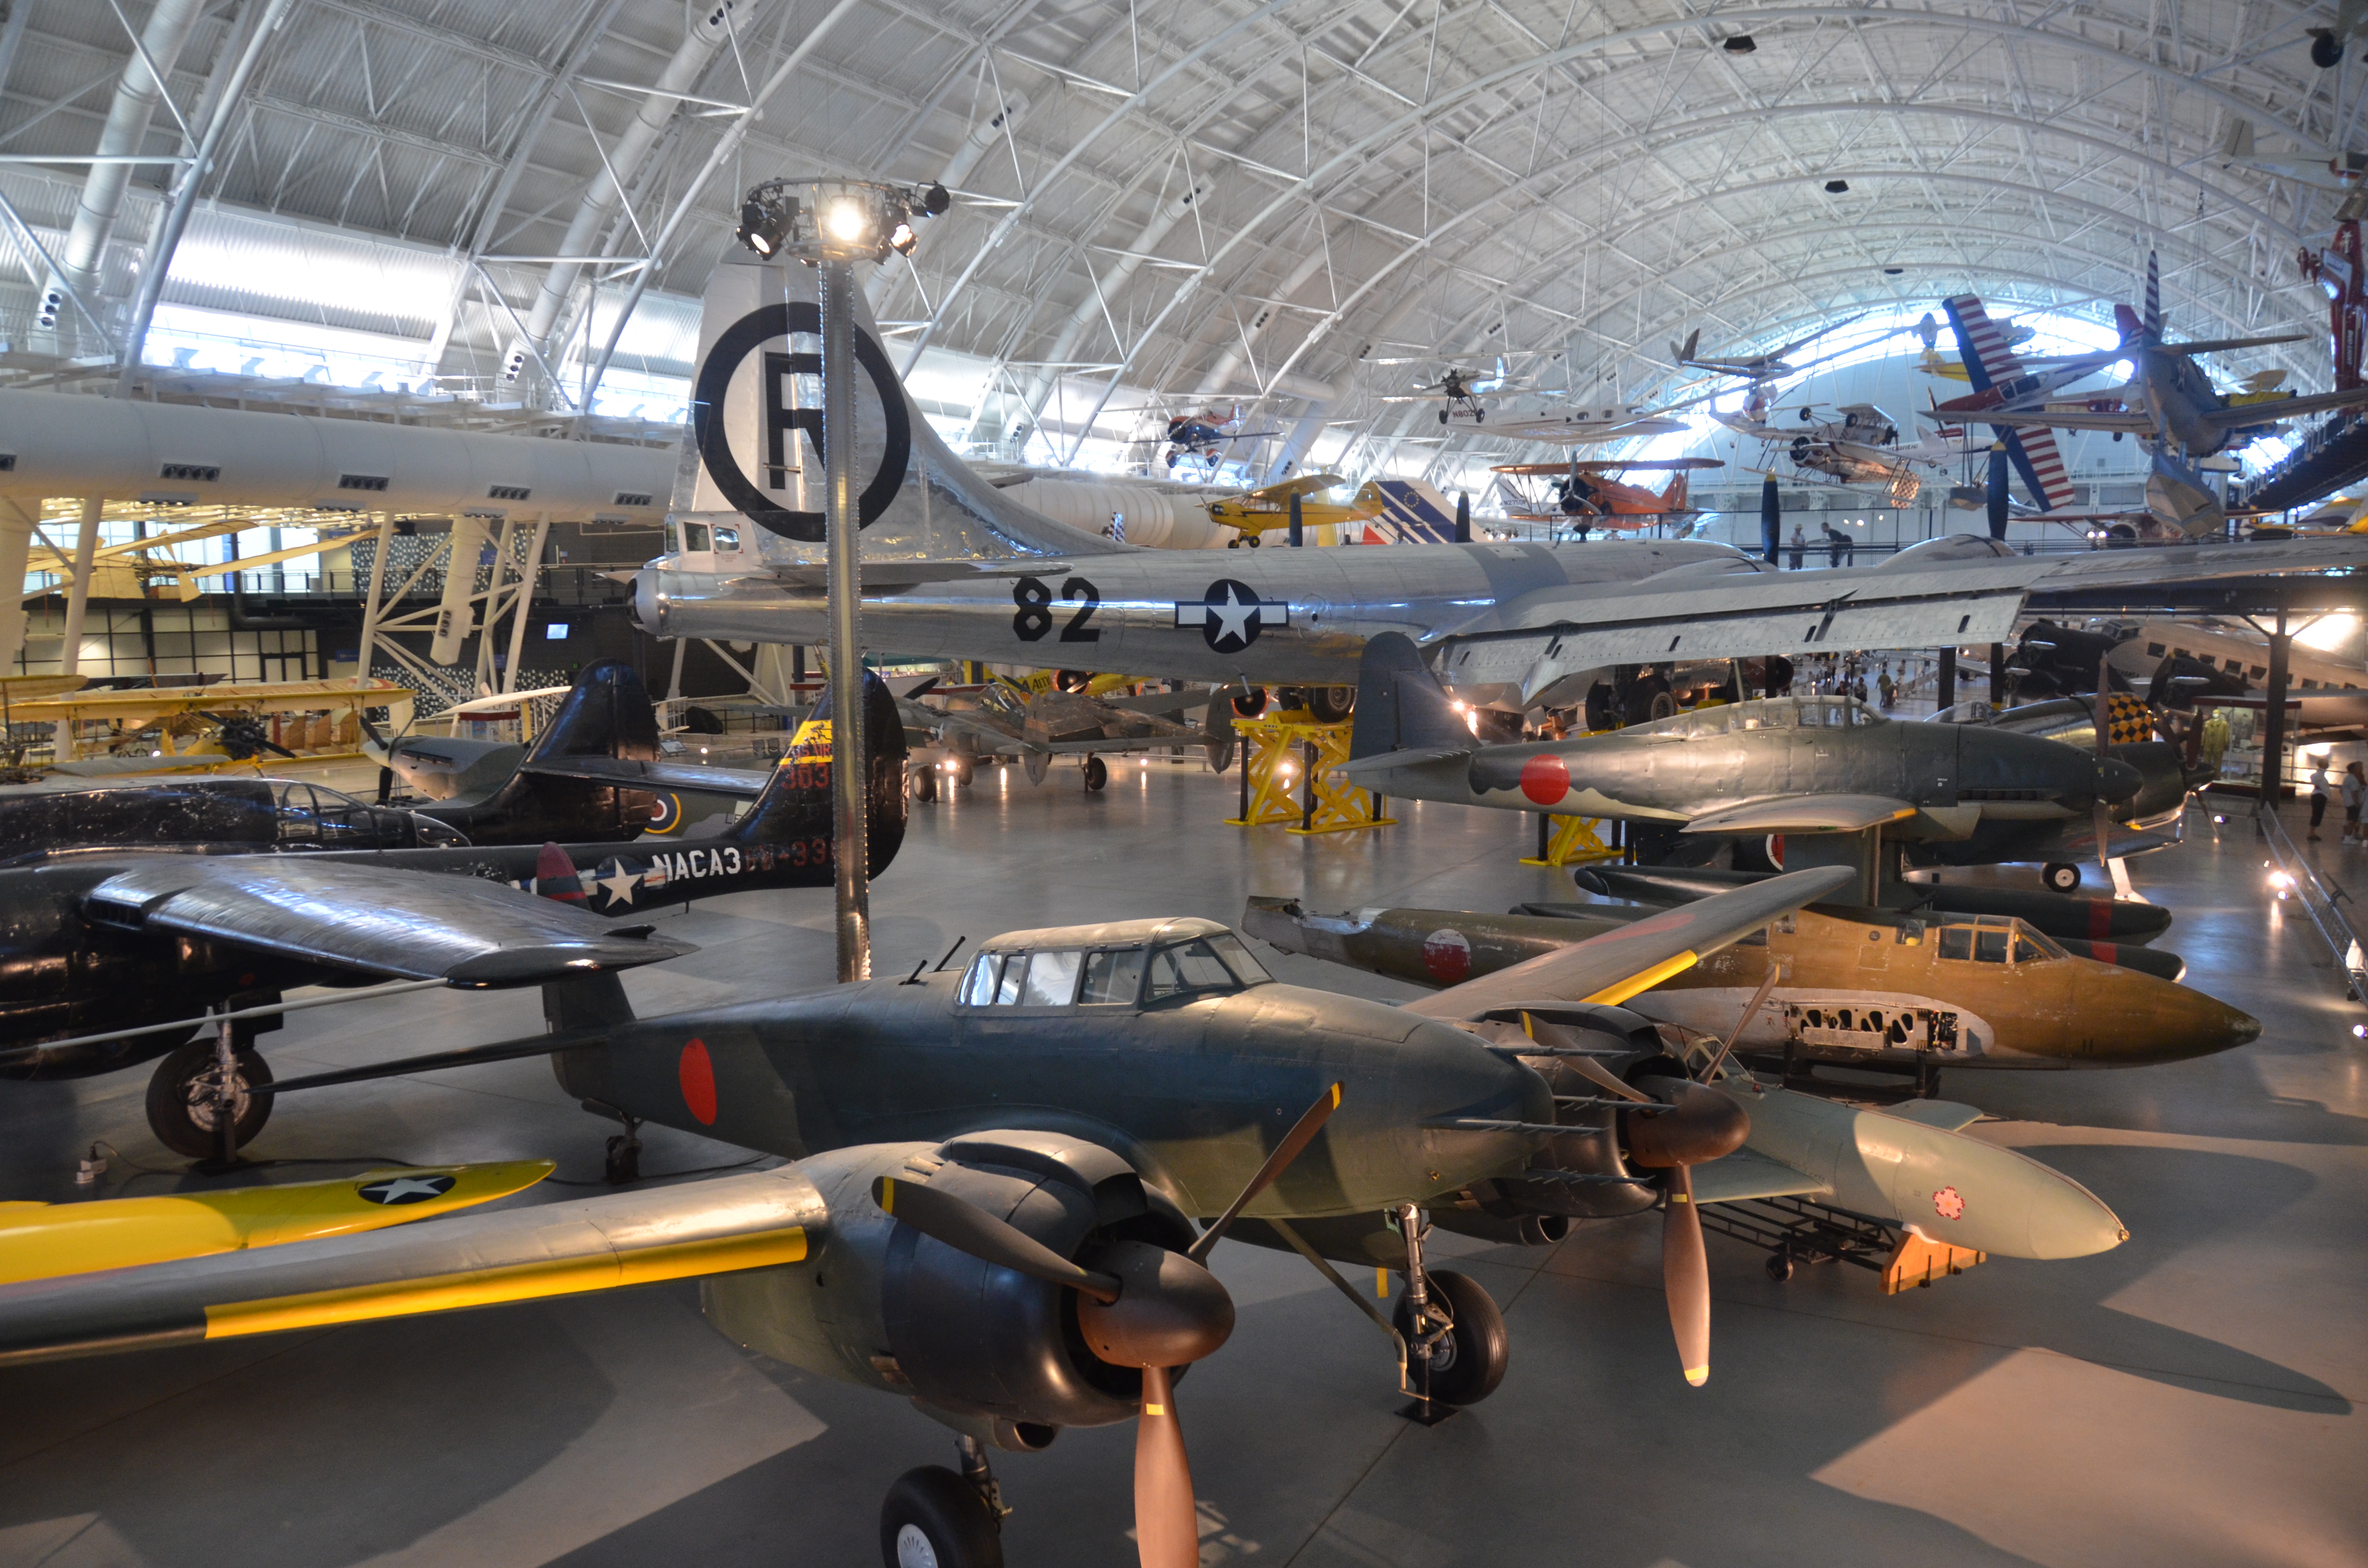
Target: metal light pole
column 839, row 223
column 850, row 774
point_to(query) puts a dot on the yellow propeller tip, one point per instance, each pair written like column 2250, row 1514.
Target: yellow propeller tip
column 1697, row 1375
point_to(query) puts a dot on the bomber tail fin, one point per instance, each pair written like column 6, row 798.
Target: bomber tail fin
column 1400, row 704
column 796, row 809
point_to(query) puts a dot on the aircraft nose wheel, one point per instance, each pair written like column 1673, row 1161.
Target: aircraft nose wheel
column 1780, row 1265
column 185, row 1099
column 935, row 1518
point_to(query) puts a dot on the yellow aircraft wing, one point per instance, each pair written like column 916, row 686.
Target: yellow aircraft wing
column 142, row 706
column 755, row 1220
column 44, row 1240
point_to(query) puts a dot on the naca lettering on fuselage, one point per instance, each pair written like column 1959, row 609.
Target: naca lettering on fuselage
column 623, row 882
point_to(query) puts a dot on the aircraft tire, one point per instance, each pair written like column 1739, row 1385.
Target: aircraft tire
column 1251, row 541
column 1472, row 1359
column 1097, row 774
column 2326, row 49
column 1331, row 704
column 933, row 1518
column 2060, row 876
column 924, row 784
column 1780, row 1265
column 1442, row 416
column 180, row 1100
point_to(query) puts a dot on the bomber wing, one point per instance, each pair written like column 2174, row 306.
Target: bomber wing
column 414, row 925
column 1732, row 608
column 2133, row 421
column 1616, row 965
column 717, row 1226
column 1805, row 814
column 631, row 774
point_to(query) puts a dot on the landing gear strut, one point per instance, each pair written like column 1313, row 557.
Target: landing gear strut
column 936, row 1518
column 622, row 1160
column 1457, row 1348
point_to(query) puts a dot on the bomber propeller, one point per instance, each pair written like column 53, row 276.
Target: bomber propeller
column 1140, row 1305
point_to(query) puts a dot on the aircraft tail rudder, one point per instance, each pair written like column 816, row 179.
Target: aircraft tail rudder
column 752, row 462
column 2127, row 322
column 1400, row 704
column 795, row 811
column 608, row 714
column 1673, row 499
column 1413, row 512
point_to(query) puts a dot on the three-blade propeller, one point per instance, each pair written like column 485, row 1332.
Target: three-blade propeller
column 1140, row 1306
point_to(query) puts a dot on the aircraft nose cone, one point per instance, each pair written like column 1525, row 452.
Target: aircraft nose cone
column 2213, row 1026
column 2069, row 1221
column 2117, row 781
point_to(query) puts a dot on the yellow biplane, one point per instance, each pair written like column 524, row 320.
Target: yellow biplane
column 204, row 729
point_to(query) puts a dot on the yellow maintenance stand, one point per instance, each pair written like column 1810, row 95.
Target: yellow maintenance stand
column 1287, row 776
column 1572, row 841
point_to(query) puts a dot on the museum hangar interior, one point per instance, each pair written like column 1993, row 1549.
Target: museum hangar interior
column 1610, row 754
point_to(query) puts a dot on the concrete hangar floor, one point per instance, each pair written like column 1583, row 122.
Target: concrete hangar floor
column 2186, row 1398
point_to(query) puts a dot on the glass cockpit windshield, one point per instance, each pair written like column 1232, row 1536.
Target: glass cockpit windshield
column 1769, row 713
column 1110, row 977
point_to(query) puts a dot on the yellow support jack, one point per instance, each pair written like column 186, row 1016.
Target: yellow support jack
column 1288, row 752
column 1574, row 841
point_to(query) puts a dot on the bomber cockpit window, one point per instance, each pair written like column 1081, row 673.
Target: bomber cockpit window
column 1112, row 979
column 1052, row 979
column 978, row 985
column 1021, row 980
column 1209, row 963
column 1990, row 945
column 1248, row 969
column 1957, row 942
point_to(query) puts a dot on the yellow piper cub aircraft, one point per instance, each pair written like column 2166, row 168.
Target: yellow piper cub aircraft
column 1256, row 512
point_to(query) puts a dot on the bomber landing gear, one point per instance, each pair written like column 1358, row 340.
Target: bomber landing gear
column 2060, row 877
column 1457, row 1348
column 1331, row 704
column 187, row 1098
column 1097, row 774
column 936, row 1518
column 924, row 784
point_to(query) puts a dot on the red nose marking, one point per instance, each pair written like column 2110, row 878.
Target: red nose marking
column 1544, row 779
column 1447, row 956
column 697, row 1075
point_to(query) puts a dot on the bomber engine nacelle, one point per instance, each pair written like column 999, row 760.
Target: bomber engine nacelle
column 1595, row 1144
column 990, row 1352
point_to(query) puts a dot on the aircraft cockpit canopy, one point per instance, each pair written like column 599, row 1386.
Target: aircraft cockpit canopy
column 1768, row 713
column 1993, row 940
column 262, row 813
column 1127, row 964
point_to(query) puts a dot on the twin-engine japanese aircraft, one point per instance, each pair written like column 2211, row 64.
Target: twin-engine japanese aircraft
column 954, row 568
column 130, row 910
column 1774, row 365
column 995, row 1173
column 1036, row 725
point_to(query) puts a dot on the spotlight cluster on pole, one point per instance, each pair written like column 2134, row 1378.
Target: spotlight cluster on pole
column 831, row 224
column 837, row 220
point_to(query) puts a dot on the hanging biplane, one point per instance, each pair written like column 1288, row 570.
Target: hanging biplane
column 201, row 729
column 1583, row 495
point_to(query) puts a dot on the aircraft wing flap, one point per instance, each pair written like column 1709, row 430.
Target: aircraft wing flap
column 1745, row 1175
column 721, row 1225
column 1616, row 965
column 1805, row 814
column 412, row 925
column 631, row 774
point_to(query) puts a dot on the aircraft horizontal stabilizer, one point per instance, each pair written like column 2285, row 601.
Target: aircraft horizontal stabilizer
column 1805, row 814
column 717, row 1226
column 2226, row 344
column 1616, row 965
column 2130, row 421
column 633, row 774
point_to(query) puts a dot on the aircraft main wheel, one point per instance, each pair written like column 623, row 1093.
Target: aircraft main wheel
column 1251, row 541
column 1097, row 774
column 962, row 771
column 1331, row 704
column 1780, row 1266
column 182, row 1099
column 924, row 784
column 933, row 1518
column 1664, row 705
column 1470, row 1362
column 2060, row 877
column 2326, row 52
column 1442, row 416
